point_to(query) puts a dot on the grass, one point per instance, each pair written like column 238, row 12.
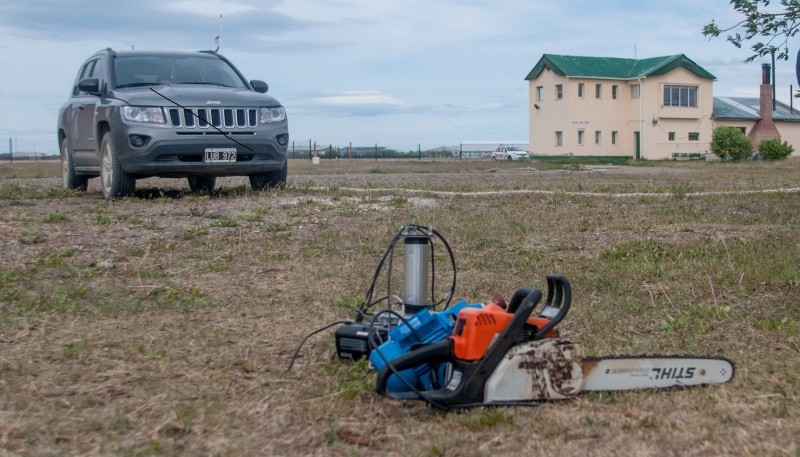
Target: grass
column 162, row 324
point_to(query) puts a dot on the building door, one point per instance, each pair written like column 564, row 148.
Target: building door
column 638, row 143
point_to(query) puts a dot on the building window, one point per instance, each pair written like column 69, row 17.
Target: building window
column 580, row 90
column 614, row 92
column 685, row 96
column 580, row 137
column 597, row 137
column 614, row 137
column 559, row 91
column 559, row 138
column 635, row 89
column 694, row 136
column 598, row 89
column 744, row 130
column 539, row 93
column 671, row 136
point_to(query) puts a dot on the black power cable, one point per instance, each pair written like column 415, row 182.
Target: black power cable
column 390, row 365
column 368, row 303
column 389, row 254
column 299, row 346
column 452, row 290
column 225, row 134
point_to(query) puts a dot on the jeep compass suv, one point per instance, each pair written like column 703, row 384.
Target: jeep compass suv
column 136, row 114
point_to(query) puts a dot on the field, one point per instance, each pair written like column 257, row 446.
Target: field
column 162, row 324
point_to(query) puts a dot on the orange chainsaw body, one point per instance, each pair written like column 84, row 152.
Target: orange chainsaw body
column 476, row 328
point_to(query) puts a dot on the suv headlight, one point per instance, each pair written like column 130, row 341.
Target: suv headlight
column 148, row 114
column 267, row 115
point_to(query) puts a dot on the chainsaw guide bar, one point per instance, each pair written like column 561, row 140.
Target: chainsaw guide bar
column 553, row 369
column 654, row 372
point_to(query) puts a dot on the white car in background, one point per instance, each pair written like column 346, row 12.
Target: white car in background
column 509, row 153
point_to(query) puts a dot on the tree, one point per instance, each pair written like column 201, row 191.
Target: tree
column 772, row 27
column 730, row 143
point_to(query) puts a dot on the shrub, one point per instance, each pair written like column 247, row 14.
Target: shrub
column 773, row 149
column 730, row 143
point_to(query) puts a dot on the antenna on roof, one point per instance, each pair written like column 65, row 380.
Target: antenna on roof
column 219, row 37
column 635, row 55
column 132, row 47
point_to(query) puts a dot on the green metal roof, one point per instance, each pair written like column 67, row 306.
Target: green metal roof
column 747, row 109
column 613, row 67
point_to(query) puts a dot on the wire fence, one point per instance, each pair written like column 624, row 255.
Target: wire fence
column 376, row 151
column 312, row 149
column 26, row 157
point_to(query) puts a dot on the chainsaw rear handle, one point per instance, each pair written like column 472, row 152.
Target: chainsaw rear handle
column 556, row 306
column 559, row 299
column 467, row 383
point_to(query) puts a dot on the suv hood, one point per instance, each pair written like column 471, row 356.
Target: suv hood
column 193, row 95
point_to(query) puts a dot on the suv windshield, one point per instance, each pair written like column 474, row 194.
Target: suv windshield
column 134, row 71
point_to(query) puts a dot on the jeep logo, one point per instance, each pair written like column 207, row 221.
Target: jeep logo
column 213, row 102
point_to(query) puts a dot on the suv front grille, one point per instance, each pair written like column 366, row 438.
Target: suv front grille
column 229, row 118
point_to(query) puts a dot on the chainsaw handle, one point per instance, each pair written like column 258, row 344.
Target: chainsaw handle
column 517, row 298
column 441, row 351
column 468, row 387
column 559, row 300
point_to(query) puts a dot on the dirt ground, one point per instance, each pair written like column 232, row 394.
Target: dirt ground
column 163, row 323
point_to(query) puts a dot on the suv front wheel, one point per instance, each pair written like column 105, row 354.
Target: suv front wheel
column 114, row 180
column 272, row 180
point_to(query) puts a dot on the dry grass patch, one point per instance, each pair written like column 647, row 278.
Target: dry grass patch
column 162, row 324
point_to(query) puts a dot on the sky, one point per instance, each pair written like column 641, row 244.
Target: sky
column 402, row 74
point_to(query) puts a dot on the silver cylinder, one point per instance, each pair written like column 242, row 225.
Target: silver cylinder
column 417, row 273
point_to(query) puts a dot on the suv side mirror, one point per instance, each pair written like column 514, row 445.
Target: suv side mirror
column 259, row 86
column 89, row 85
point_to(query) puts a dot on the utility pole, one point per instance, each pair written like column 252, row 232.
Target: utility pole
column 774, row 70
column 10, row 150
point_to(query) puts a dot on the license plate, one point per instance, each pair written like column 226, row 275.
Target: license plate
column 220, row 155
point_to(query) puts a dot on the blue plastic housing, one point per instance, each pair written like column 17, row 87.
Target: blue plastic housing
column 423, row 327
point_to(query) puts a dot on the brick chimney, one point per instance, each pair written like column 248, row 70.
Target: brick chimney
column 764, row 128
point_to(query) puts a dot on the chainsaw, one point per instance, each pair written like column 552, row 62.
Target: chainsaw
column 500, row 354
column 497, row 353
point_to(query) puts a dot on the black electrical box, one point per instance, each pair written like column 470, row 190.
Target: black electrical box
column 352, row 340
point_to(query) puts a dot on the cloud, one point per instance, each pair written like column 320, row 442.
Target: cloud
column 266, row 43
column 147, row 23
column 359, row 98
column 208, row 8
column 375, row 103
column 353, row 103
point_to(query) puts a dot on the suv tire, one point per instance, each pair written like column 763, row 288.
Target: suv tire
column 115, row 182
column 204, row 184
column 69, row 177
column 272, row 180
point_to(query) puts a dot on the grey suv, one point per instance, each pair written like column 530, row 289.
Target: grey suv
column 136, row 114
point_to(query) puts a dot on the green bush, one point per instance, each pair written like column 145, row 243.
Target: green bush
column 773, row 149
column 730, row 143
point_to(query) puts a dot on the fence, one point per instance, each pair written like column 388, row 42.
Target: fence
column 26, row 156
column 377, row 151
